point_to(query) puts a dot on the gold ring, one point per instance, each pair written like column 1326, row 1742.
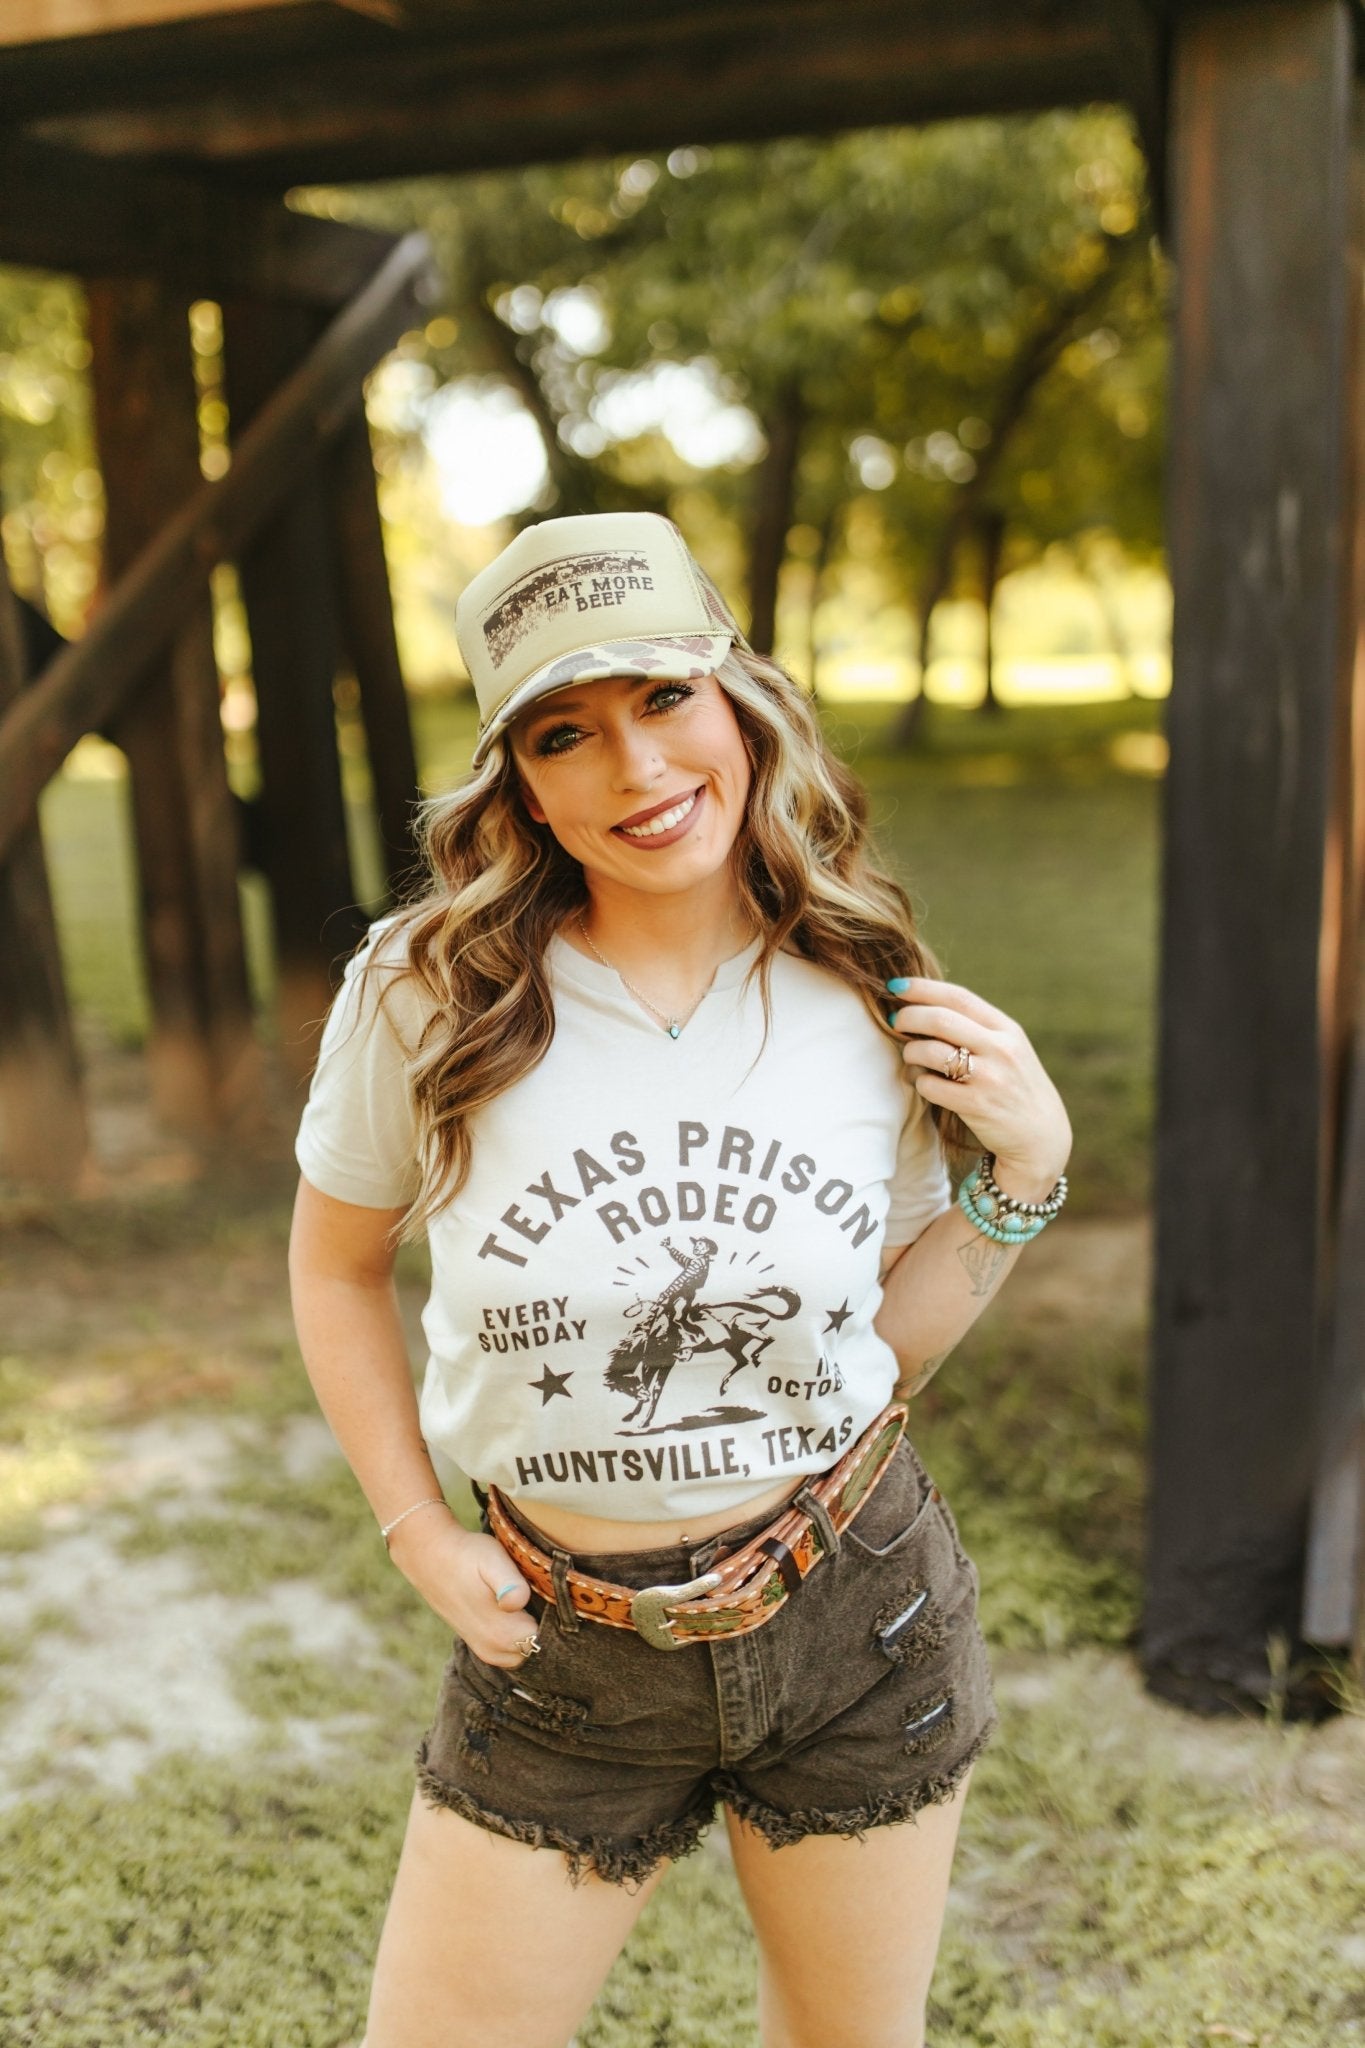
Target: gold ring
column 959, row 1067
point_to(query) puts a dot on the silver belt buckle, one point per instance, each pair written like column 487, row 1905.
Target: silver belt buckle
column 648, row 1609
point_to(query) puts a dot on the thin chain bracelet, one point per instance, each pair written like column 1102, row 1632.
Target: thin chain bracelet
column 434, row 1501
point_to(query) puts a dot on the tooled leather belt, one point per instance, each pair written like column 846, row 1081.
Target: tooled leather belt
column 743, row 1590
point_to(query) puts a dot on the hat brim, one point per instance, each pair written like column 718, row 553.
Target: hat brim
column 670, row 658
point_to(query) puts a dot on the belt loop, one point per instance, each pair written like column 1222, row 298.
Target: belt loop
column 560, row 1566
column 819, row 1514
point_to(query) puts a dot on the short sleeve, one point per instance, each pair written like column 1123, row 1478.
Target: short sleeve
column 357, row 1140
column 920, row 1187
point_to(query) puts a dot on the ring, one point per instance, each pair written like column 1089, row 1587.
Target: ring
column 529, row 1645
column 959, row 1067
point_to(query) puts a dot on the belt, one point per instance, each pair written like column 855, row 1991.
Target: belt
column 744, row 1589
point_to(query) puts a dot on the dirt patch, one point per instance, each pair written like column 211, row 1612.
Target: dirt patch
column 116, row 1660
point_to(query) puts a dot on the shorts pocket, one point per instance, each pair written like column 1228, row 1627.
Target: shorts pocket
column 899, row 1509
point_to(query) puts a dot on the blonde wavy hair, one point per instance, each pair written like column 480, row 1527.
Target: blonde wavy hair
column 500, row 887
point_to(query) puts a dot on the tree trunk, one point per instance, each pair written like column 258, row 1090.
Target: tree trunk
column 1106, row 604
column 1026, row 373
column 829, row 528
column 773, row 497
column 990, row 527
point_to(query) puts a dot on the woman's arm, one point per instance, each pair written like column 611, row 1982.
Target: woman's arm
column 354, row 1351
column 934, row 1289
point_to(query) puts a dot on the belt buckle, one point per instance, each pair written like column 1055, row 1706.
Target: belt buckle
column 648, row 1609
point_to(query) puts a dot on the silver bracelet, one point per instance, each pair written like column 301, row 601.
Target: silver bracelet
column 434, row 1501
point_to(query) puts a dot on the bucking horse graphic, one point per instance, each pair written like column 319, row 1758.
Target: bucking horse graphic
column 674, row 1327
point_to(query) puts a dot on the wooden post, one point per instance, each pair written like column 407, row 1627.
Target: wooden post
column 202, row 1048
column 1334, row 1594
column 43, row 1136
column 1261, row 526
column 367, row 626
column 289, row 589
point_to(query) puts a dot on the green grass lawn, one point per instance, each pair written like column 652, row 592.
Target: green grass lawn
column 1128, row 1878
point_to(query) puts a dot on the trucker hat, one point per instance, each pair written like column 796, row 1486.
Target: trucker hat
column 573, row 600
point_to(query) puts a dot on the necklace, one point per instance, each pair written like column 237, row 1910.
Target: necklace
column 672, row 1025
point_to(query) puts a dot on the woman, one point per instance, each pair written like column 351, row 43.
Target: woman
column 630, row 1064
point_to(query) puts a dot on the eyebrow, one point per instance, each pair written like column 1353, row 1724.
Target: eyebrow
column 556, row 706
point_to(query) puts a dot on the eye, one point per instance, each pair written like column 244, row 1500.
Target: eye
column 559, row 739
column 668, row 697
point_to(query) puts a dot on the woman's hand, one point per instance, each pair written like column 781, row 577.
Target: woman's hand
column 460, row 1576
column 1008, row 1100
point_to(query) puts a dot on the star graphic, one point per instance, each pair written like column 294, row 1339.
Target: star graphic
column 837, row 1317
column 551, row 1383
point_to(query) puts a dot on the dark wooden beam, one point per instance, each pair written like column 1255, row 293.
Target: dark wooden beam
column 43, row 1136
column 481, row 89
column 289, row 588
column 61, row 210
column 368, row 633
column 202, row 1049
column 84, row 687
column 1334, row 1592
column 1262, row 510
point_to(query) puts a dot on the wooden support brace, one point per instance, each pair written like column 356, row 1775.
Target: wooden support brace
column 202, row 1050
column 43, row 1136
column 367, row 628
column 85, row 686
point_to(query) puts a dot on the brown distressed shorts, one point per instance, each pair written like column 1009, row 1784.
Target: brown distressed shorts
column 866, row 1697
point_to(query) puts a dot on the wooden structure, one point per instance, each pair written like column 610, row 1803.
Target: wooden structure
column 148, row 143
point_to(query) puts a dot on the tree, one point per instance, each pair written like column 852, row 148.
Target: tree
column 893, row 307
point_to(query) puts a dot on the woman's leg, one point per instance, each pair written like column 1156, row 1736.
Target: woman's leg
column 487, row 1944
column 848, row 1930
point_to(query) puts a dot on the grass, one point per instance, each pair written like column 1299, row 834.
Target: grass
column 1128, row 1878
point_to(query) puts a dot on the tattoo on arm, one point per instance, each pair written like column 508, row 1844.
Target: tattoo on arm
column 983, row 1261
column 922, row 1377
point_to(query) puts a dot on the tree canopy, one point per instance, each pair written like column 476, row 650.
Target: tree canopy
column 946, row 327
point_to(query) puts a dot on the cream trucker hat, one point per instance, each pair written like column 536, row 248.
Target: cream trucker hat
column 573, row 600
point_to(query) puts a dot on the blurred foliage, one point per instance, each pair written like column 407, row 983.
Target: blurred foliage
column 923, row 328
column 51, row 494
column 956, row 315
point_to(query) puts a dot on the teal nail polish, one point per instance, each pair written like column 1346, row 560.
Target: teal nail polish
column 891, row 1018
column 899, row 986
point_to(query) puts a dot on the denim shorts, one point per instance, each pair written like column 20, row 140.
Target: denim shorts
column 865, row 1697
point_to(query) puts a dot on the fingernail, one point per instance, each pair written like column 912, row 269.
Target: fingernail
column 891, row 1017
column 510, row 1587
column 899, row 986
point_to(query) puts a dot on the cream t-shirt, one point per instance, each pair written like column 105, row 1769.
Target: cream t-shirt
column 654, row 1295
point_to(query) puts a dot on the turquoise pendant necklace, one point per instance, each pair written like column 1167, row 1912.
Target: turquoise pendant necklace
column 672, row 1025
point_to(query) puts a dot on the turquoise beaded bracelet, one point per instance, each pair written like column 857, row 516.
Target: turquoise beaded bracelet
column 999, row 1216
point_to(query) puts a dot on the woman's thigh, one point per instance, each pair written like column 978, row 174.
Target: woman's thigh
column 848, row 1930
column 487, row 1943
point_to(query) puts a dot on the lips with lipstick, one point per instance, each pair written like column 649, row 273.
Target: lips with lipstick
column 662, row 823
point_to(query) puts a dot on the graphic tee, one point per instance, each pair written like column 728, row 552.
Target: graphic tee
column 654, row 1295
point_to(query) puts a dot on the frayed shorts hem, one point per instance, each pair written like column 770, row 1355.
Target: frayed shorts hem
column 628, row 1860
column 781, row 1830
column 631, row 1860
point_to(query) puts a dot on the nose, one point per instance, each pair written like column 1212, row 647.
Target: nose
column 637, row 761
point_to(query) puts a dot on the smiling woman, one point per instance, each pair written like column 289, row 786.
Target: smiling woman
column 694, row 1247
